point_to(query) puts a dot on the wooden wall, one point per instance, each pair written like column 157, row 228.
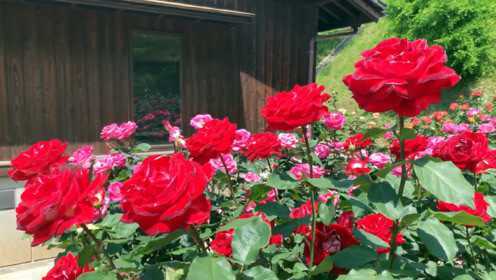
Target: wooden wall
column 65, row 70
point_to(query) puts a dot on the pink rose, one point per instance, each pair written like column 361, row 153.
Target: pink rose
column 118, row 132
column 379, row 160
column 322, row 151
column 288, row 140
column 108, row 162
column 241, row 139
column 452, row 128
column 82, row 156
column 229, row 161
column 175, row 135
column 472, row 112
column 200, row 120
column 251, row 177
column 334, row 120
column 302, row 170
column 487, row 128
column 114, row 191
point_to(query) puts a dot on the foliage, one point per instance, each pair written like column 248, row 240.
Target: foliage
column 337, row 203
column 460, row 26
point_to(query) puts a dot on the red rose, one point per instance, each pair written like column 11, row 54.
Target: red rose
column 380, row 226
column 66, row 268
column 38, row 159
column 412, row 146
column 488, row 162
column 262, row 146
column 212, row 140
column 222, row 243
column 401, row 76
column 465, row 150
column 328, row 240
column 223, row 239
column 356, row 142
column 166, row 193
column 357, row 167
column 480, row 207
column 51, row 204
column 301, row 106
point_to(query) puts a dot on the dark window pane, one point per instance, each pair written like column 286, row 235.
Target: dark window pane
column 157, row 84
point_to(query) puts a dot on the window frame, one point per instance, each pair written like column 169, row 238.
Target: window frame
column 163, row 147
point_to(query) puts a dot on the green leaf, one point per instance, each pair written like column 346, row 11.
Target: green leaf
column 282, row 181
column 123, row 230
column 210, row 268
column 463, row 277
column 324, row 267
column 482, row 242
column 491, row 200
column 374, row 132
column 111, row 220
column 152, row 272
column 354, row 257
column 407, row 133
column 98, row 275
column 142, row 148
column 382, row 196
column 461, row 218
column 249, row 238
column 438, row 239
column 362, row 274
column 326, row 213
column 260, row 273
column 259, row 192
column 156, row 243
column 287, row 228
column 321, row 183
column 274, row 209
column 369, row 239
column 445, row 181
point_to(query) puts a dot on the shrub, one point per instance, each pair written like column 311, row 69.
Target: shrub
column 463, row 27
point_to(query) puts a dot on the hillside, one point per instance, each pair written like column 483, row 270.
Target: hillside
column 368, row 36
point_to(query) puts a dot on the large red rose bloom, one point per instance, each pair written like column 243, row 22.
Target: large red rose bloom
column 300, row 106
column 51, row 204
column 480, row 210
column 166, row 193
column 380, row 226
column 262, row 146
column 412, row 146
column 465, row 150
column 66, row 268
column 401, row 76
column 212, row 140
column 38, row 159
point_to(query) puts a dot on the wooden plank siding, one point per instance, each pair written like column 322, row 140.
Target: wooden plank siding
column 65, row 70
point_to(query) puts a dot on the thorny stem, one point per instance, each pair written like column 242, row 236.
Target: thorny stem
column 312, row 197
column 196, row 238
column 396, row 227
column 99, row 247
column 268, row 164
column 231, row 186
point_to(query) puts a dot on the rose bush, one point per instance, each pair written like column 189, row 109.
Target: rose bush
column 320, row 196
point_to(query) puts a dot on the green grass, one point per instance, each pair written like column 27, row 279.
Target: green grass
column 368, row 36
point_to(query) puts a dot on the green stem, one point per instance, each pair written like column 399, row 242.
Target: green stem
column 196, row 238
column 99, row 248
column 396, row 227
column 312, row 197
column 231, row 186
column 269, row 165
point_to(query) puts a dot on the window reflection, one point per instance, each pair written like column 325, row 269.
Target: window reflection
column 157, row 84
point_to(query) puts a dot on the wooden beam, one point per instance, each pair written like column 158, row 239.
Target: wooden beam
column 331, row 13
column 169, row 8
column 361, row 5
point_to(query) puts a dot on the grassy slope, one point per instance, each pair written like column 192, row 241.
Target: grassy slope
column 369, row 36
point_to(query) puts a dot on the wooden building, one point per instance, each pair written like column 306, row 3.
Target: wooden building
column 68, row 67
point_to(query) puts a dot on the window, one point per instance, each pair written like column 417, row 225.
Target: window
column 156, row 84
